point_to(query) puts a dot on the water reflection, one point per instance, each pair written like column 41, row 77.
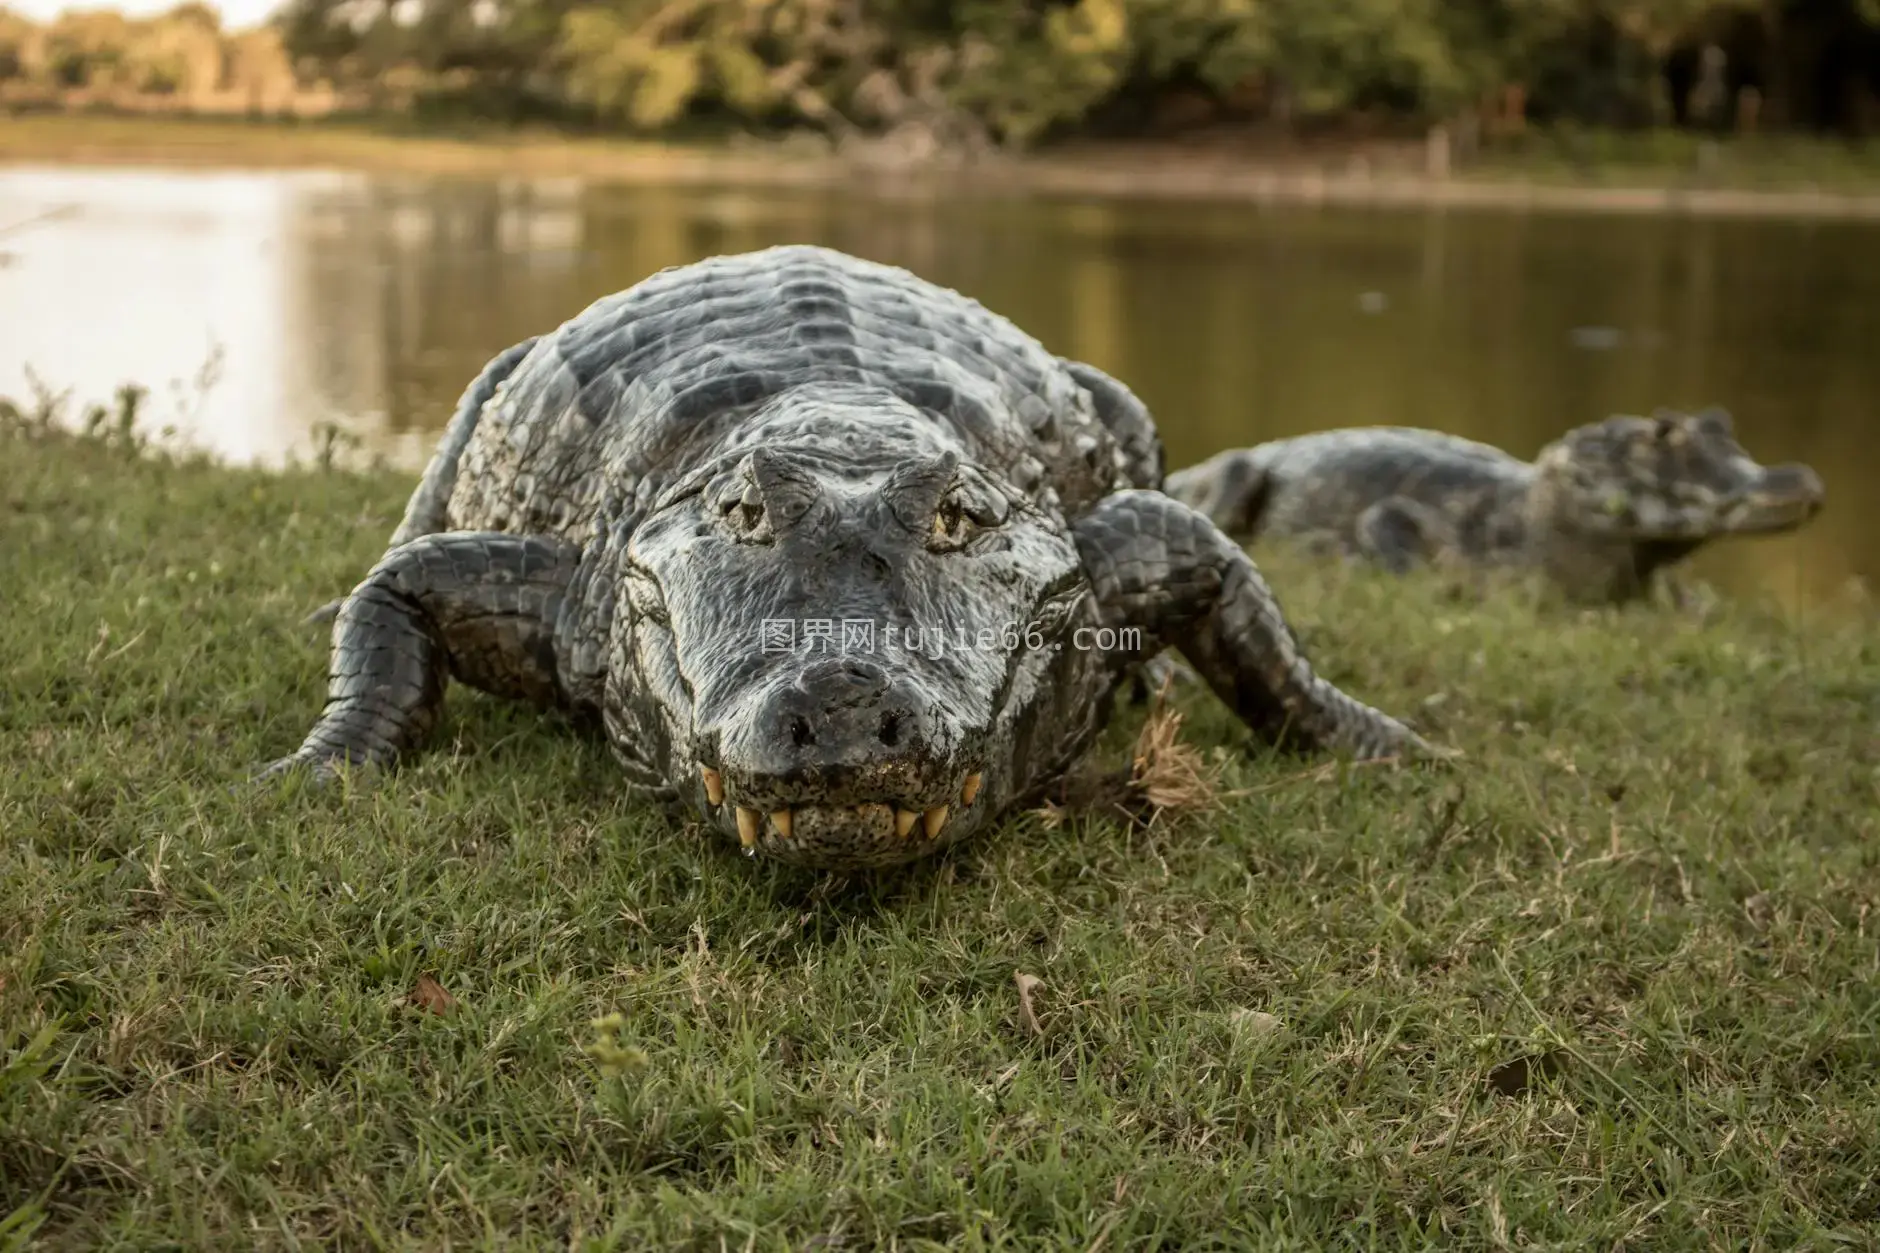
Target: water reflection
column 146, row 280
column 370, row 302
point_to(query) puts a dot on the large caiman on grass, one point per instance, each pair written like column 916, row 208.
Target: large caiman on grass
column 837, row 559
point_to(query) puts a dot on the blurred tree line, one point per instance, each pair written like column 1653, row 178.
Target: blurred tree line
column 1016, row 71
column 180, row 59
column 1013, row 72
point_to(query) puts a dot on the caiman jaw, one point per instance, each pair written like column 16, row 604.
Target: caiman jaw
column 1784, row 498
column 882, row 820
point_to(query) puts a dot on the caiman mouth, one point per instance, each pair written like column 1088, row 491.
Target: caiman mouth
column 1784, row 498
column 887, row 829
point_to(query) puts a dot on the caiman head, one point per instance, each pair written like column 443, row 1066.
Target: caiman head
column 1671, row 479
column 851, row 653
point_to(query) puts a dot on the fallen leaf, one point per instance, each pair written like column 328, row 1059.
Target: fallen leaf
column 1254, row 1022
column 1026, row 1013
column 1512, row 1078
column 430, row 994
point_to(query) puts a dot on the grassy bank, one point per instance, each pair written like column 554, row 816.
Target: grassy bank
column 1613, row 984
column 1595, row 173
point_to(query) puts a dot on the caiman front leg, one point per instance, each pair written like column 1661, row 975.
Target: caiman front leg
column 503, row 613
column 1397, row 533
column 1164, row 568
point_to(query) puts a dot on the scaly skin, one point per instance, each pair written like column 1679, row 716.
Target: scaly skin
column 620, row 507
column 1599, row 512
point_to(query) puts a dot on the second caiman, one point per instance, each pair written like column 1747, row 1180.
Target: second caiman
column 1600, row 513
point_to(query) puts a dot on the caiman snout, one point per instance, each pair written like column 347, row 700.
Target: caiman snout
column 1782, row 498
column 844, row 761
column 840, row 713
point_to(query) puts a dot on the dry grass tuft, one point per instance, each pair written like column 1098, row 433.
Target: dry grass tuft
column 1168, row 772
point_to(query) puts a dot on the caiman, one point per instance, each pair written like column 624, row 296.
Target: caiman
column 1599, row 513
column 834, row 558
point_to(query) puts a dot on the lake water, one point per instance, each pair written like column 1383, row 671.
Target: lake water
column 369, row 302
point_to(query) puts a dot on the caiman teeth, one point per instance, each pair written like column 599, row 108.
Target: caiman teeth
column 971, row 789
column 714, row 785
column 751, row 823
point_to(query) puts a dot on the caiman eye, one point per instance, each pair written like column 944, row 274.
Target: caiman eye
column 1714, row 422
column 949, row 525
column 962, row 514
column 644, row 596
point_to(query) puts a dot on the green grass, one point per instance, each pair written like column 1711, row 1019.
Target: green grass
column 1613, row 983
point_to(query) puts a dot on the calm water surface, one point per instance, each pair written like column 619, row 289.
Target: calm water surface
column 370, row 302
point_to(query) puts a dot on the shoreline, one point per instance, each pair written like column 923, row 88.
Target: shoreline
column 1117, row 171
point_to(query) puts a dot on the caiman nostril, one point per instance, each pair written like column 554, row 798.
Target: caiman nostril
column 800, row 734
column 890, row 729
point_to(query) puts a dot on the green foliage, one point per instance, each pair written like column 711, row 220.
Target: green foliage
column 1338, row 53
column 648, row 61
column 1023, row 71
column 15, row 33
column 1018, row 72
column 1224, row 41
column 496, row 51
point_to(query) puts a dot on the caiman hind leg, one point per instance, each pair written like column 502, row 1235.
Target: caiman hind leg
column 499, row 612
column 1164, row 568
column 1127, row 420
column 1230, row 488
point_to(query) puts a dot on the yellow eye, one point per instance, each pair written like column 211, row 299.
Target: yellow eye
column 965, row 513
column 949, row 522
